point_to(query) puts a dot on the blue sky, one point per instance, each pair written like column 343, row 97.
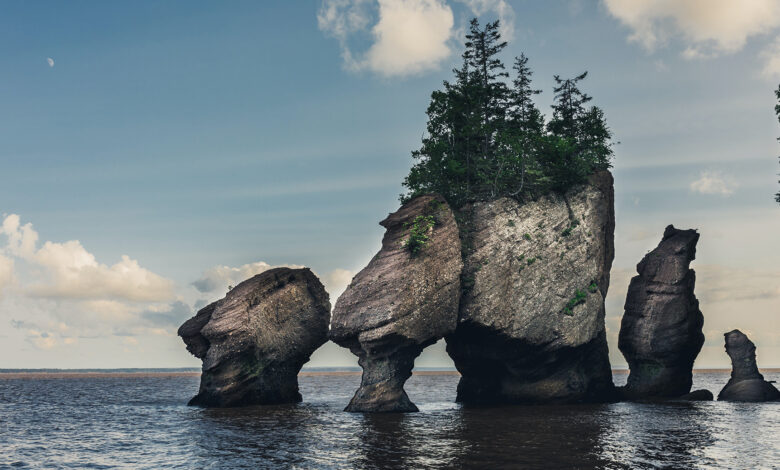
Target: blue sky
column 206, row 141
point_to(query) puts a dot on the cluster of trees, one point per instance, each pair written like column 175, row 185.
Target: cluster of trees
column 486, row 138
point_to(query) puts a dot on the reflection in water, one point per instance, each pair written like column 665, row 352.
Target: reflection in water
column 531, row 437
column 647, row 435
column 144, row 423
column 385, row 442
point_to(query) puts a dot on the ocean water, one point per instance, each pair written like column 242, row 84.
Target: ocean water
column 143, row 422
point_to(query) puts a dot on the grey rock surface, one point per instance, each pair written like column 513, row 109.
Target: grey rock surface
column 254, row 341
column 399, row 304
column 746, row 383
column 531, row 322
column 661, row 330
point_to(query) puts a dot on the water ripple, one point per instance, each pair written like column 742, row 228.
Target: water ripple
column 143, row 423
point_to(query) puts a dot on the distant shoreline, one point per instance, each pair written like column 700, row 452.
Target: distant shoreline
column 10, row 374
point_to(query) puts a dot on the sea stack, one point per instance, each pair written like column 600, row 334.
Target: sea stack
column 746, row 383
column 404, row 300
column 254, row 341
column 531, row 322
column 661, row 331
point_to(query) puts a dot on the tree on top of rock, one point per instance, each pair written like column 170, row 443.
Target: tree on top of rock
column 457, row 156
column 486, row 139
column 584, row 143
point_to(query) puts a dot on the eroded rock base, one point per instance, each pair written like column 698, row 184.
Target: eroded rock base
column 507, row 371
column 243, row 383
column 382, row 385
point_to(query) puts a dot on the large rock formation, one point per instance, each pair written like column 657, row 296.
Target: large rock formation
column 404, row 300
column 661, row 331
column 746, row 383
column 531, row 325
column 254, row 342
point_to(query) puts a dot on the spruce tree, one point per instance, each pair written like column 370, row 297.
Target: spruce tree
column 489, row 93
column 521, row 136
column 586, row 139
column 524, row 114
column 569, row 107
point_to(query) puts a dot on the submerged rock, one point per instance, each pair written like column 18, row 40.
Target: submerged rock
column 531, row 323
column 254, row 341
column 746, row 383
column 404, row 300
column 661, row 331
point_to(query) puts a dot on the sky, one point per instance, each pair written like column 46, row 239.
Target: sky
column 154, row 153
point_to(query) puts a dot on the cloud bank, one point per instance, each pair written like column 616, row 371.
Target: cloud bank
column 707, row 28
column 70, row 271
column 59, row 291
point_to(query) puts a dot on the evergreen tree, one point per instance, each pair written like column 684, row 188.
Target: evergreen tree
column 524, row 114
column 569, row 107
column 489, row 92
column 587, row 147
column 484, row 140
column 458, row 155
column 520, row 139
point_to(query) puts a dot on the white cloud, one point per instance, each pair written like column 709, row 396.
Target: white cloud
column 771, row 57
column 42, row 340
column 708, row 27
column 219, row 278
column 340, row 18
column 407, row 37
column 336, row 282
column 505, row 13
column 44, row 336
column 410, row 36
column 50, row 61
column 6, row 272
column 60, row 291
column 713, row 182
column 67, row 270
column 21, row 238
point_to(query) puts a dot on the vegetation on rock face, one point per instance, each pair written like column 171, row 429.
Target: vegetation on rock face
column 579, row 298
column 487, row 139
column 419, row 231
column 572, row 225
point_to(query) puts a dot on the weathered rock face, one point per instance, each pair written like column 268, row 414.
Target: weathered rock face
column 400, row 303
column 531, row 324
column 746, row 383
column 254, row 342
column 661, row 331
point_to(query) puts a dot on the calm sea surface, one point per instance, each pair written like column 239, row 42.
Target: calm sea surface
column 143, row 422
